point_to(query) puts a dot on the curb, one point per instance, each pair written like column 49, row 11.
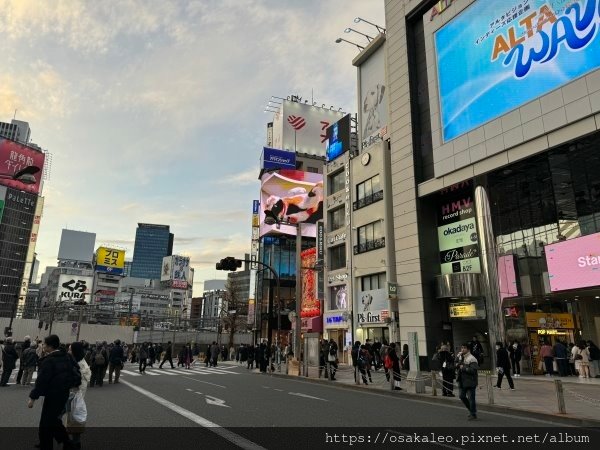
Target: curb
column 554, row 417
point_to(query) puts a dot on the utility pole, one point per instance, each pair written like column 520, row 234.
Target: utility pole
column 81, row 305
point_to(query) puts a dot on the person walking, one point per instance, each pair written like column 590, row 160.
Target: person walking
column 354, row 354
column 577, row 357
column 58, row 373
column 446, row 360
column 151, row 354
column 168, row 357
column 503, row 366
column 214, row 354
column 332, row 359
column 364, row 363
column 516, row 353
column 594, row 359
column 99, row 363
column 395, row 366
column 29, row 360
column 404, row 361
column 20, row 350
column 584, row 362
column 547, row 355
column 9, row 361
column 467, row 368
column 188, row 356
column 562, row 358
column 251, row 353
column 116, row 358
column 143, row 357
column 77, row 351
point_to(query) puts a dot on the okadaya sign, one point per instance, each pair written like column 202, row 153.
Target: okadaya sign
column 523, row 49
column 457, row 230
column 73, row 288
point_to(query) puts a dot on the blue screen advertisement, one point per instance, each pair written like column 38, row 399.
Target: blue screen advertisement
column 498, row 55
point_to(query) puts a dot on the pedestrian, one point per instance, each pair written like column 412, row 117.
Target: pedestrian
column 572, row 365
column 516, row 353
column 404, row 360
column 151, row 349
column 20, row 349
column 188, row 357
column 58, row 373
column 143, row 357
column 467, row 367
column 547, row 355
column 354, row 354
column 116, row 358
column 584, row 352
column 503, row 366
column 77, row 351
column 383, row 352
column 364, row 364
column 594, row 360
column 263, row 355
column 181, row 357
column 99, row 363
column 477, row 350
column 9, row 361
column 561, row 357
column 323, row 351
column 251, row 353
column 446, row 359
column 207, row 356
column 243, row 354
column 167, row 357
column 231, row 353
column 332, row 359
column 377, row 361
column 396, row 374
column 214, row 354
column 29, row 361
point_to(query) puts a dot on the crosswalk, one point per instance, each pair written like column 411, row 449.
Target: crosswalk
column 131, row 370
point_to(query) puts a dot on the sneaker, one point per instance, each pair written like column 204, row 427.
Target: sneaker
column 497, row 387
column 472, row 417
column 512, row 389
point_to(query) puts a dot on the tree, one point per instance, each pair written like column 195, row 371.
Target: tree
column 234, row 312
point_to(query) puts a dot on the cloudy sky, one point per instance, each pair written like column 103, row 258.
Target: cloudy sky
column 153, row 110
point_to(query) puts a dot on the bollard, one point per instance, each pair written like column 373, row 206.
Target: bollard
column 433, row 384
column 560, row 397
column 490, row 389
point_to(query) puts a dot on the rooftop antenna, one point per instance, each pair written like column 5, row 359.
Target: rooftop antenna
column 15, row 116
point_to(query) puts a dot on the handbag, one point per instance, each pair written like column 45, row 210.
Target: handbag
column 76, row 413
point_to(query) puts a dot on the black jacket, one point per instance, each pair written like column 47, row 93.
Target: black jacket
column 29, row 358
column 502, row 359
column 54, row 375
column 116, row 356
column 9, row 356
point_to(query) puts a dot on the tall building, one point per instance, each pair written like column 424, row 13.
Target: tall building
column 152, row 244
column 16, row 130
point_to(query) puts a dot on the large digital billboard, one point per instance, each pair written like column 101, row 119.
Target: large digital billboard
column 289, row 197
column 338, row 138
column 110, row 260
column 574, row 263
column 177, row 270
column 495, row 56
column 15, row 157
column 278, row 159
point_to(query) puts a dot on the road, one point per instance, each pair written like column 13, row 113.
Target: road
column 230, row 407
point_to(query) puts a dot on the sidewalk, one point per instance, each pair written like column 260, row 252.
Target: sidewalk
column 534, row 394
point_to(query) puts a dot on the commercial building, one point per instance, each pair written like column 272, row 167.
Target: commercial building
column 212, row 304
column 16, row 130
column 495, row 172
column 152, row 244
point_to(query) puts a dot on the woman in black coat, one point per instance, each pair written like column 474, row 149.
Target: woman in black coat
column 395, row 366
column 503, row 366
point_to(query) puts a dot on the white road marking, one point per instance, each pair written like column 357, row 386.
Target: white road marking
column 215, row 428
column 216, row 401
column 164, row 372
column 266, row 387
column 152, row 373
column 206, row 382
column 131, row 373
column 199, row 393
column 278, row 390
column 298, row 394
column 188, row 389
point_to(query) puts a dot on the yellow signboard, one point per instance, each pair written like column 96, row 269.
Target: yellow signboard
column 110, row 260
column 458, row 310
column 549, row 321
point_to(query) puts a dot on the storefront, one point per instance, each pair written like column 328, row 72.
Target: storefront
column 337, row 326
column 373, row 316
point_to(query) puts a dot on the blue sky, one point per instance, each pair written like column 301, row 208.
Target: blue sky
column 153, row 110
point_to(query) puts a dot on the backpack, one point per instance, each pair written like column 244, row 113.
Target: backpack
column 99, row 359
column 388, row 363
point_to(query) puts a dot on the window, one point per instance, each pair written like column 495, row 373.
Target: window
column 370, row 237
column 337, row 257
column 370, row 282
column 336, row 182
column 312, row 169
column 368, row 192
column 338, row 298
column 337, row 218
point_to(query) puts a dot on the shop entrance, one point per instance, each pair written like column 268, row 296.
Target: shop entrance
column 339, row 336
column 379, row 333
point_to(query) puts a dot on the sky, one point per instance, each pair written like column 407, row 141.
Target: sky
column 153, row 110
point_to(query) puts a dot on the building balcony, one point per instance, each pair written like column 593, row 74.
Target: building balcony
column 367, row 200
column 369, row 245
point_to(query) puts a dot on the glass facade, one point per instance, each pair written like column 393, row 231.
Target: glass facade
column 152, row 244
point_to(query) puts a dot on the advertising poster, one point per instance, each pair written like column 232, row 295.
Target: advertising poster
column 73, row 288
column 373, row 105
column 15, row 157
column 110, row 260
column 574, row 263
column 338, row 138
column 496, row 56
column 278, row 159
column 310, row 306
column 181, row 272
column 372, row 306
column 289, row 197
column 457, row 230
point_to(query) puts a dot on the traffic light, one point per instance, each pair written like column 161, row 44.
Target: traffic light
column 229, row 263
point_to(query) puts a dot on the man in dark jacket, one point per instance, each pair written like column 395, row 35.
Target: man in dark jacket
column 9, row 361
column 151, row 354
column 55, row 377
column 116, row 358
column 562, row 358
column 168, row 356
column 503, row 366
column 446, row 362
column 467, row 367
column 20, row 350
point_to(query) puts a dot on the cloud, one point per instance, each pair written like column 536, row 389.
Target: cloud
column 249, row 176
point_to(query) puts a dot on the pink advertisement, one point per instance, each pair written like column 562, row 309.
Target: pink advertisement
column 15, row 157
column 574, row 263
column 507, row 277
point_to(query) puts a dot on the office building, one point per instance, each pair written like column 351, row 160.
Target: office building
column 152, row 244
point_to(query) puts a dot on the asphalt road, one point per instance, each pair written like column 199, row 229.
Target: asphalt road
column 235, row 408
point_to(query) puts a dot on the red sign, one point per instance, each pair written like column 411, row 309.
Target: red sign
column 15, row 157
column 311, row 306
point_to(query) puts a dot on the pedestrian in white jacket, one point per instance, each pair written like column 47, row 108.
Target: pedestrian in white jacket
column 76, row 349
